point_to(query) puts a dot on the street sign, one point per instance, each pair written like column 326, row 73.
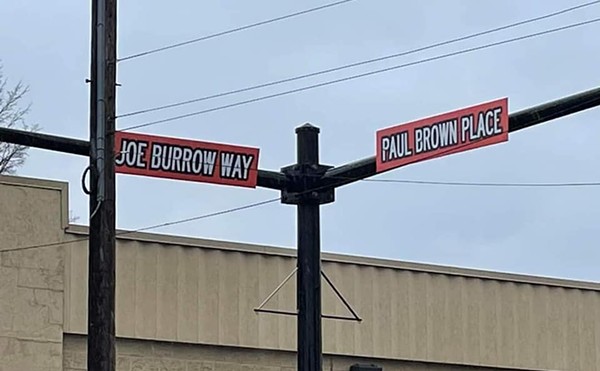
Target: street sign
column 183, row 159
column 457, row 131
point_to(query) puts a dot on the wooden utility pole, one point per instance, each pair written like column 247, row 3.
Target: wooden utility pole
column 101, row 277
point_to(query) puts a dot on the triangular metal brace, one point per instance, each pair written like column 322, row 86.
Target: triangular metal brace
column 354, row 317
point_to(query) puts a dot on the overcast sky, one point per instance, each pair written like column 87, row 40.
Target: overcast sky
column 541, row 231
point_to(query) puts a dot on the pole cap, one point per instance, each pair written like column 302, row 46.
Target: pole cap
column 307, row 128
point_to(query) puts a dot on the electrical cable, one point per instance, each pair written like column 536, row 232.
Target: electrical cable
column 83, row 186
column 443, row 183
column 356, row 64
column 482, row 184
column 238, row 29
column 205, row 216
column 353, row 77
column 268, row 201
column 180, row 221
column 93, row 214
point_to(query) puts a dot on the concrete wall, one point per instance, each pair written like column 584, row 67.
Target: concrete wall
column 141, row 355
column 31, row 280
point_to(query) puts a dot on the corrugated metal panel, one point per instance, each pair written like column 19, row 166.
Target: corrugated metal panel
column 207, row 295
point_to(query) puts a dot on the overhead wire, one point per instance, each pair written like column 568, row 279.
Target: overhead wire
column 483, row 184
column 361, row 75
column 155, row 226
column 360, row 63
column 432, row 182
column 342, row 181
column 272, row 200
column 234, row 30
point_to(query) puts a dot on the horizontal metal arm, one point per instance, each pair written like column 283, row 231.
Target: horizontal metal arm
column 266, row 178
column 271, row 179
column 45, row 141
column 361, row 169
column 339, row 175
column 554, row 110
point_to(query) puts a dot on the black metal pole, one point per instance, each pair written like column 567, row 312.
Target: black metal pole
column 309, row 288
column 309, row 260
column 45, row 141
column 303, row 191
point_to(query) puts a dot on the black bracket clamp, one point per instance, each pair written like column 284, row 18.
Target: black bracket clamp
column 305, row 186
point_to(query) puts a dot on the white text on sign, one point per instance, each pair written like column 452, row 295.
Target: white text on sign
column 163, row 157
column 452, row 132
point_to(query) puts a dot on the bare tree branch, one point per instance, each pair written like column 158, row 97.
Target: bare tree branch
column 12, row 115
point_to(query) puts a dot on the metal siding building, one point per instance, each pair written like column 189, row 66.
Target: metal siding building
column 188, row 304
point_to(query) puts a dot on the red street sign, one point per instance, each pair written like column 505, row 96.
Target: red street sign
column 182, row 159
column 457, row 131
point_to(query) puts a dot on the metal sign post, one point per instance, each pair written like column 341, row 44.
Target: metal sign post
column 303, row 191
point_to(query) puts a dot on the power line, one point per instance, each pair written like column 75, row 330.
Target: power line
column 480, row 184
column 206, row 216
column 437, row 182
column 476, row 184
column 180, row 221
column 238, row 29
column 356, row 64
column 268, row 201
column 353, row 77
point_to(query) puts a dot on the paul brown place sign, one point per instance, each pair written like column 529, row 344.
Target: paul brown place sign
column 452, row 132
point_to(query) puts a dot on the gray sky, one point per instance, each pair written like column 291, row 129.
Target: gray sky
column 542, row 231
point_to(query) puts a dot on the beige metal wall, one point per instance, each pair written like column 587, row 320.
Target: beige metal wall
column 174, row 290
column 204, row 292
column 143, row 355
